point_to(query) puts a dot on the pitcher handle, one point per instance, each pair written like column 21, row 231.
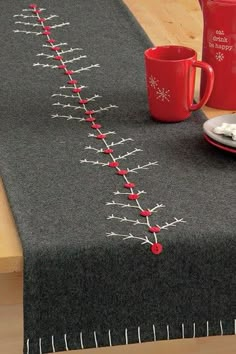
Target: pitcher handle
column 209, row 84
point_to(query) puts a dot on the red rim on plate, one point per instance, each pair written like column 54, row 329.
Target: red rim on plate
column 218, row 145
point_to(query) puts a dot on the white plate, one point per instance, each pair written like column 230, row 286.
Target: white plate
column 210, row 124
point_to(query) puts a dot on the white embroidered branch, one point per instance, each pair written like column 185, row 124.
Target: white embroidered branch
column 69, row 87
column 93, row 98
column 86, row 68
column 45, row 65
column 144, row 167
column 92, row 148
column 65, row 96
column 94, row 162
column 28, row 24
column 69, row 50
column 75, row 59
column 60, row 25
column 68, row 117
column 153, row 210
column 125, row 219
column 41, row 9
column 67, row 106
column 50, row 17
column 58, row 45
column 126, row 237
column 122, row 205
column 27, row 32
column 165, row 227
column 24, row 16
column 121, row 142
column 120, row 157
column 105, row 108
column 44, row 55
column 90, row 135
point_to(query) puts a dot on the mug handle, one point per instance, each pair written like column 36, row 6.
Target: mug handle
column 209, row 84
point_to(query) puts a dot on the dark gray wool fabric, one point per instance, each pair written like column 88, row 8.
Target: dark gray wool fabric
column 90, row 276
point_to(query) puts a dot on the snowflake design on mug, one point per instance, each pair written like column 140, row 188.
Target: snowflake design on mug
column 153, row 81
column 219, row 56
column 163, row 94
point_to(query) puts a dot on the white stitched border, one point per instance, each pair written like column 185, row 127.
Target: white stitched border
column 207, row 324
column 66, row 344
column 168, row 332
column 183, row 334
column 109, row 336
column 221, row 328
column 154, row 333
column 53, row 345
column 28, row 346
column 139, row 335
column 95, row 339
column 81, row 340
column 194, row 330
column 40, row 346
column 126, row 336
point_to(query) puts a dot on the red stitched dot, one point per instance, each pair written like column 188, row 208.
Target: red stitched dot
column 133, row 196
column 58, row 57
column 101, row 136
column 47, row 28
column 96, row 126
column 72, row 82
column 113, row 164
column 155, row 229
column 90, row 119
column 62, row 66
column 32, row 6
column 83, row 101
column 88, row 112
column 156, row 248
column 41, row 20
column 37, row 11
column 55, row 48
column 77, row 90
column 122, row 172
column 69, row 72
column 108, row 151
column 145, row 213
column 129, row 185
column 51, row 40
column 46, row 33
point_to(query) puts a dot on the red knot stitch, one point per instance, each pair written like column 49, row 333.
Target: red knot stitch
column 145, row 213
column 101, row 136
column 90, row 119
column 96, row 126
column 155, row 229
column 72, row 82
column 122, row 172
column 113, row 164
column 133, row 196
column 129, row 185
column 58, row 57
column 156, row 248
column 108, row 151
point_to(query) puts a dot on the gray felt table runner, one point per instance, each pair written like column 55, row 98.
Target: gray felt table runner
column 94, row 273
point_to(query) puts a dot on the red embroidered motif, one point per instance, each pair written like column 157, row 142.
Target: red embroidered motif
column 58, row 57
column 55, row 48
column 101, row 136
column 76, row 90
column 72, row 82
column 129, row 185
column 90, row 119
column 133, row 196
column 155, row 229
column 156, row 248
column 145, row 213
column 96, row 126
column 122, row 172
column 113, row 164
column 32, row 6
column 108, row 151
column 41, row 20
column 51, row 40
column 46, row 33
column 83, row 101
column 88, row 112
column 69, row 72
column 62, row 66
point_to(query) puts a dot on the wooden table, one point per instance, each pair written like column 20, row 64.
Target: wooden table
column 166, row 22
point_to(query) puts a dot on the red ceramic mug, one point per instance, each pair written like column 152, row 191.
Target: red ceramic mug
column 170, row 75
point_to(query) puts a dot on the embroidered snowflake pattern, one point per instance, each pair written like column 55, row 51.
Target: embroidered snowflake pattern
column 153, row 81
column 163, row 94
column 219, row 56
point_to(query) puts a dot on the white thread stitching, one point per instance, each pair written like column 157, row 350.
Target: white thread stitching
column 109, row 336
column 40, row 346
column 81, row 340
column 66, row 344
column 139, row 335
column 221, row 328
column 126, row 336
column 154, row 333
column 183, row 334
column 168, row 332
column 207, row 324
column 53, row 345
column 194, row 330
column 28, row 346
column 95, row 339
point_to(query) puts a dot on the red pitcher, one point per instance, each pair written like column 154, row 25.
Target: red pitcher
column 219, row 50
